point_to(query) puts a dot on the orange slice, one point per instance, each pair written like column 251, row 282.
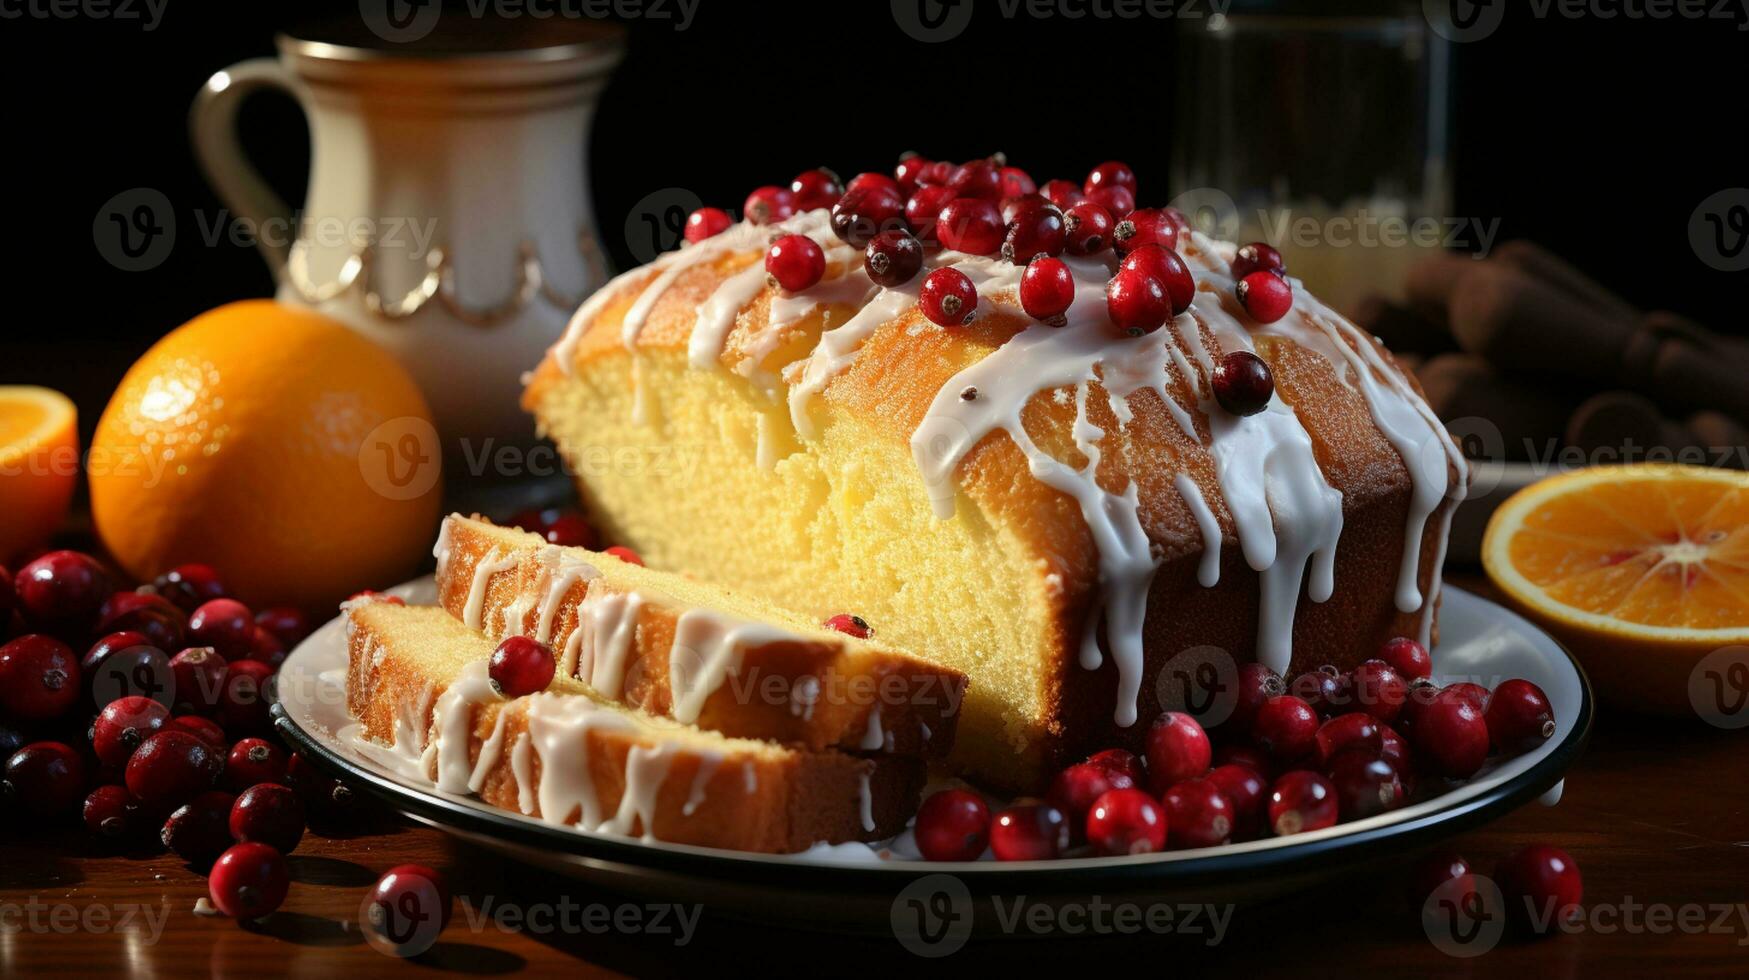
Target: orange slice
column 39, row 465
column 1642, row 570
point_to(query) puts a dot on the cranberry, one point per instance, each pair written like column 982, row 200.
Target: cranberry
column 1475, row 694
column 1136, row 303
column 1064, row 194
column 795, row 262
column 1245, row 789
column 625, row 554
column 226, row 625
column 1301, row 801
column 1356, row 730
column 1029, row 832
column 1047, row 288
column 948, row 297
column 978, row 179
column 204, row 729
column 188, row 586
column 1013, row 207
column 1034, row 233
column 290, row 625
column 171, row 766
column 1431, row 874
column 520, row 665
column 164, row 625
column 857, row 218
column 248, row 881
column 1177, row 749
column 199, row 674
column 1117, row 200
column 243, row 700
column 266, row 648
column 1256, row 684
column 1320, row 687
column 1265, row 296
column 1373, row 687
column 924, row 207
column 1393, row 749
column 269, row 813
column 1451, row 735
column 768, row 205
column 869, row 180
column 1244, row 755
column 1016, row 181
column 1243, row 383
column 107, row 646
column 321, row 794
column 1365, row 785
column 952, row 825
column 1165, row 265
column 62, row 592
column 1148, row 226
column 893, row 258
column 1087, row 229
column 1108, row 174
column 199, row 831
column 1407, row 657
column 1519, row 717
column 817, row 188
column 1180, row 223
column 122, row 725
column 850, row 625
column 112, row 812
column 1198, row 814
column 1126, row 821
column 705, row 223
column 1120, row 761
column 45, row 779
column 1541, row 885
column 570, row 529
column 1286, row 727
column 970, row 224
column 936, row 173
column 252, row 761
column 39, row 678
column 907, row 172
column 8, row 595
column 1075, row 788
column 1257, row 257
column 408, row 906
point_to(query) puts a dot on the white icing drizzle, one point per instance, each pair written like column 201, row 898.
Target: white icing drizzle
column 564, row 570
column 1208, row 569
column 874, row 738
column 453, row 722
column 707, row 648
column 522, row 769
column 601, row 644
column 839, row 346
column 708, row 764
column 716, row 316
column 866, row 800
column 559, row 727
column 489, row 566
column 646, row 769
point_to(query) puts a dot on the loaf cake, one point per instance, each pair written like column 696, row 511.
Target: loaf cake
column 1057, row 509
column 693, row 652
column 417, row 682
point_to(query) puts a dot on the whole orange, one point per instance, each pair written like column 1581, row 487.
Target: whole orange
column 275, row 444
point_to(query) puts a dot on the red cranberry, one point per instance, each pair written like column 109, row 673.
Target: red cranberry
column 1243, row 383
column 970, row 224
column 1013, row 207
column 519, row 666
column 1265, row 296
column 199, row 831
column 45, row 779
column 705, row 223
column 226, row 625
column 1029, row 832
column 1245, row 789
column 625, row 554
column 1047, row 288
column 1356, row 730
column 171, row 766
column 1108, row 174
column 1286, row 727
column 289, row 625
column 1034, row 233
column 1120, row 761
column 62, row 592
column 768, row 205
column 1519, row 717
column 107, row 646
column 1075, row 788
column 199, row 674
column 252, row 761
column 1451, row 736
column 322, row 794
column 1148, row 226
column 952, row 825
column 1373, row 687
column 409, row 905
column 1064, row 194
column 39, row 678
column 1393, row 749
column 1431, row 873
column 8, row 595
column 906, row 173
column 1179, row 222
column 1177, row 749
column 1248, row 756
column 1301, row 801
column 188, row 586
column 948, row 297
column 1475, row 694
column 936, row 173
column 1087, row 229
column 204, row 729
column 924, row 207
column 266, row 648
column 112, row 812
column 1257, row 257
column 164, row 625
column 269, row 813
column 1165, row 265
column 1407, row 657
column 1136, row 303
column 1115, row 199
column 1256, row 684
column 817, row 188
column 869, row 180
column 893, row 258
column 1365, row 784
column 1126, row 821
column 570, row 530
column 978, row 179
column 1016, row 181
column 1541, row 885
column 857, row 218
column 1198, row 814
column 243, row 700
column 795, row 262
column 122, row 725
column 850, row 625
column 1320, row 687
column 248, row 881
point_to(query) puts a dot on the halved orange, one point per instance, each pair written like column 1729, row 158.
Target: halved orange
column 1642, row 570
column 39, row 465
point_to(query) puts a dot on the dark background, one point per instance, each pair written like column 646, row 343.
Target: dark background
column 1595, row 136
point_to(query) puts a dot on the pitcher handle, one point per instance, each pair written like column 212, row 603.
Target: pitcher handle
column 212, row 125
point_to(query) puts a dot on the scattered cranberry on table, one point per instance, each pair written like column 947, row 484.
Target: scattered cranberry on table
column 248, row 881
column 200, row 830
column 170, row 767
column 407, row 907
column 111, row 812
column 252, row 761
column 270, row 814
column 45, row 779
column 1542, row 887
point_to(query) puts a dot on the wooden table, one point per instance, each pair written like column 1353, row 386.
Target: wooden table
column 1656, row 813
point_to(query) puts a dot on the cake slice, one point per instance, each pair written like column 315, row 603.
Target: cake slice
column 417, row 682
column 693, row 652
